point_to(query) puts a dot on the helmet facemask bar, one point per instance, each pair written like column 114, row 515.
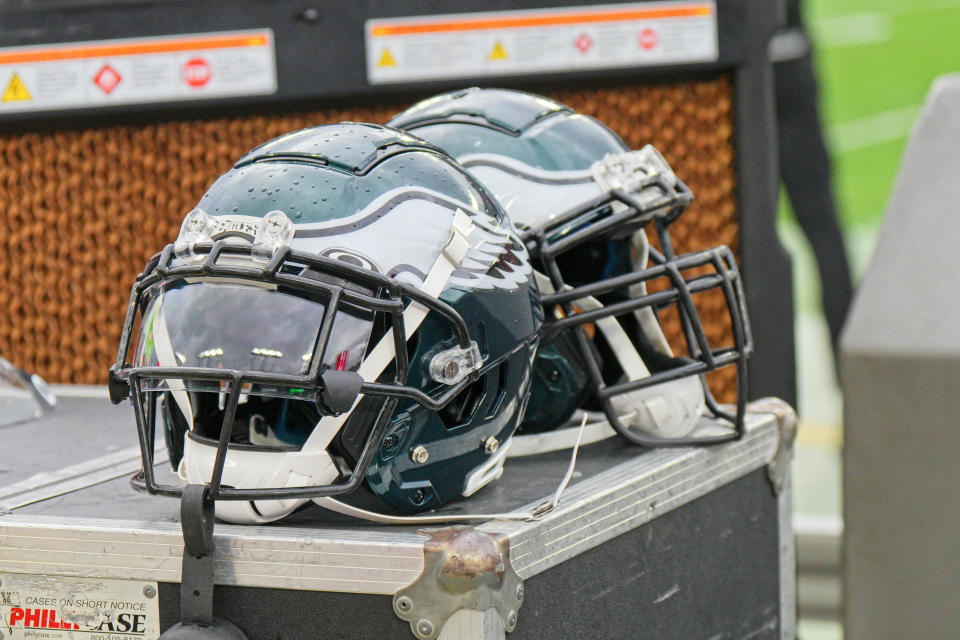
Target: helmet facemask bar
column 336, row 392
column 543, row 243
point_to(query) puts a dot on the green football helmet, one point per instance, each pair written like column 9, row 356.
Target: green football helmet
column 345, row 307
column 585, row 204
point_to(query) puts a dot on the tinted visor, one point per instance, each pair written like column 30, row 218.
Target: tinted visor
column 243, row 327
column 233, row 326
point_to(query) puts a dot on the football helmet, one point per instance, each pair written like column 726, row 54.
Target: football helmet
column 584, row 204
column 345, row 306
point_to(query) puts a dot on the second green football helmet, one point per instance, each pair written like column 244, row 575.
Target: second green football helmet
column 584, row 204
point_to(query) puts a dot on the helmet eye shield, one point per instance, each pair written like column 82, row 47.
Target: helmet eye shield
column 238, row 325
column 332, row 293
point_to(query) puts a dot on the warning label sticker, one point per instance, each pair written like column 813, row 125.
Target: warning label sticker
column 137, row 70
column 15, row 90
column 55, row 607
column 541, row 40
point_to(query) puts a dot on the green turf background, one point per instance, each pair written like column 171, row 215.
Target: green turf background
column 874, row 57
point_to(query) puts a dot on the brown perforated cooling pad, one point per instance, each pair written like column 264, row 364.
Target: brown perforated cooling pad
column 82, row 211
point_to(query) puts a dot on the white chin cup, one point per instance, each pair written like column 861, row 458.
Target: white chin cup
column 666, row 410
column 247, row 469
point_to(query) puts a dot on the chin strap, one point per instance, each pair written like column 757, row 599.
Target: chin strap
column 451, row 257
column 620, row 343
column 645, row 316
column 166, row 357
column 535, row 513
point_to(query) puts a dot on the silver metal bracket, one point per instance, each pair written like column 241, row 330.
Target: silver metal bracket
column 463, row 568
column 635, row 172
column 778, row 469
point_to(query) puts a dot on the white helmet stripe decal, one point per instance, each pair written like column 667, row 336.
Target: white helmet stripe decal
column 523, row 170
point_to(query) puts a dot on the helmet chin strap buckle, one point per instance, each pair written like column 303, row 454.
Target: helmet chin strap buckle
column 119, row 389
column 339, row 391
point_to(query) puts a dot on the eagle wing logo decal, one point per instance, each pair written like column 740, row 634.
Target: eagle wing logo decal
column 497, row 259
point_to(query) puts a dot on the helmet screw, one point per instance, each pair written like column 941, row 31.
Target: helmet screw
column 196, row 220
column 149, row 591
column 420, row 454
column 511, row 620
column 554, row 375
column 419, row 497
column 310, row 15
column 451, row 369
column 425, row 627
column 520, row 592
column 404, row 603
column 491, row 445
column 390, row 441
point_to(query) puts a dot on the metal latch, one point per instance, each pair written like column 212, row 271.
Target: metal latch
column 779, row 466
column 463, row 568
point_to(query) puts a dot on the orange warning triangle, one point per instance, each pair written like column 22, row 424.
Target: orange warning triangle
column 16, row 90
column 498, row 53
column 386, row 59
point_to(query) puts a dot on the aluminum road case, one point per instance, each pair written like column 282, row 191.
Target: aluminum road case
column 671, row 543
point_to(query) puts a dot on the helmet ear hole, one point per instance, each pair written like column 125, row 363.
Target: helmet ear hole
column 501, row 392
column 464, row 405
column 353, row 436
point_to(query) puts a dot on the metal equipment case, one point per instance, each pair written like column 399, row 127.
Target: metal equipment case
column 674, row 543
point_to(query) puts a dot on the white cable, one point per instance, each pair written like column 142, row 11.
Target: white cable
column 537, row 512
column 373, row 516
column 573, row 463
column 534, row 444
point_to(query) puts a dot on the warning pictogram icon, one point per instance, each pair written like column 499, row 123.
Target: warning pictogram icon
column 107, row 78
column 15, row 90
column 648, row 38
column 584, row 42
column 196, row 72
column 386, row 59
column 499, row 53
